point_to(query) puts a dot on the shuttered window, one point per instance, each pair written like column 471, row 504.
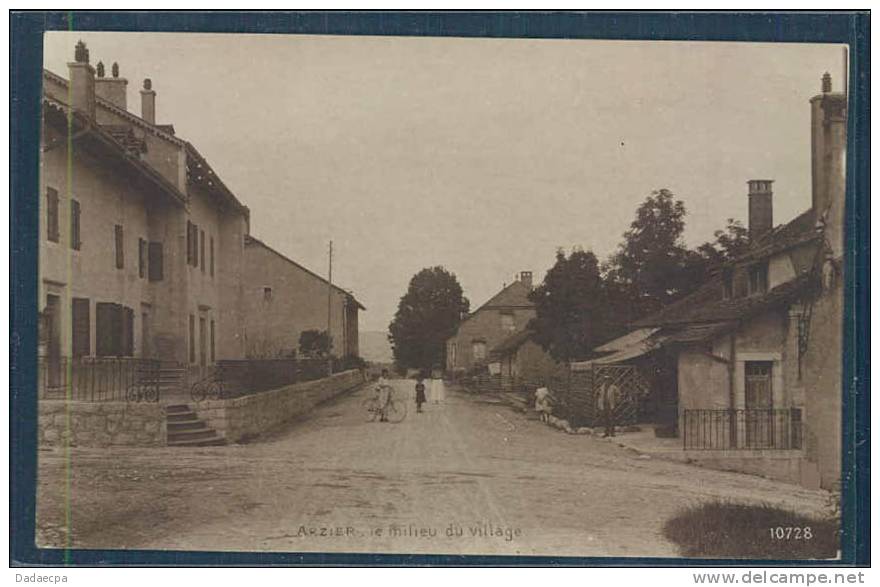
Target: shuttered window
column 192, row 338
column 142, row 258
column 120, row 252
column 52, row 215
column 213, row 340
column 212, row 257
column 202, row 250
column 155, row 262
column 81, row 327
column 75, row 235
column 114, row 330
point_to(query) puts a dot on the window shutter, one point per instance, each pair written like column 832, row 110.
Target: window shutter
column 120, row 253
column 189, row 240
column 108, row 329
column 81, row 327
column 155, row 262
column 212, row 256
column 142, row 257
column 202, row 250
column 75, row 241
column 52, row 215
column 127, row 332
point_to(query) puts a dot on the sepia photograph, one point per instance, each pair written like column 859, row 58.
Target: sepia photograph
column 305, row 293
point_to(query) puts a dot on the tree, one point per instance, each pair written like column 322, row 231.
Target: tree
column 729, row 243
column 651, row 267
column 315, row 343
column 427, row 315
column 573, row 311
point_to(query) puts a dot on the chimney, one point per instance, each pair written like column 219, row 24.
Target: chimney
column 148, row 102
column 113, row 89
column 760, row 207
column 828, row 132
column 82, row 81
column 526, row 278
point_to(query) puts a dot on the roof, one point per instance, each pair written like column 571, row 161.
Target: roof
column 626, row 340
column 199, row 171
column 512, row 342
column 796, row 232
column 707, row 305
column 253, row 241
column 515, row 295
column 57, row 113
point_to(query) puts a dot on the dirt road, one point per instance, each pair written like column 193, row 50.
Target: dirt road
column 470, row 476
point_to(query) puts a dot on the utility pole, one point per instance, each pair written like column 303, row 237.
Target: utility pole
column 330, row 307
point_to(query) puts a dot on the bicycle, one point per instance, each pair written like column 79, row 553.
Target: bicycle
column 395, row 410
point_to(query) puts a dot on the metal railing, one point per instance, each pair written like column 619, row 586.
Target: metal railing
column 742, row 429
column 98, row 379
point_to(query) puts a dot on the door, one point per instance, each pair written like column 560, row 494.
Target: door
column 53, row 340
column 759, row 421
column 146, row 351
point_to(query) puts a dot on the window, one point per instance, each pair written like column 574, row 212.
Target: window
column 192, row 338
column 203, row 346
column 189, row 242
column 120, row 254
column 212, row 256
column 759, row 384
column 267, row 294
column 507, row 322
column 114, row 330
column 142, row 258
column 758, row 279
column 154, row 254
column 479, row 350
column 52, row 215
column 75, row 240
column 727, row 284
column 81, row 327
column 213, row 340
column 202, row 250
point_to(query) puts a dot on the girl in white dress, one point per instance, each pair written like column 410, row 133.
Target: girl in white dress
column 438, row 390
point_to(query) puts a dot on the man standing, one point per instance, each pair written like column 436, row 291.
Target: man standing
column 609, row 396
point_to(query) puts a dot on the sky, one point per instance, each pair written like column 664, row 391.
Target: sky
column 481, row 155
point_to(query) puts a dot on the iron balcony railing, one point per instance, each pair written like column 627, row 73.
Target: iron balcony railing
column 743, row 429
column 99, row 379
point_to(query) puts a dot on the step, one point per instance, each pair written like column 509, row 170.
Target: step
column 182, row 417
column 178, row 409
column 186, row 425
column 216, row 441
column 199, row 434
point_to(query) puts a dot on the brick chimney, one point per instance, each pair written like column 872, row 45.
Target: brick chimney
column 760, row 207
column 82, row 81
column 828, row 132
column 148, row 102
column 526, row 278
column 113, row 89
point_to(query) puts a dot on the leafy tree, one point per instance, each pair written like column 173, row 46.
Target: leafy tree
column 427, row 315
column 729, row 243
column 315, row 343
column 652, row 266
column 573, row 311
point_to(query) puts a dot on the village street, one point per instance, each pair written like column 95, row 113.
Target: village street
column 336, row 482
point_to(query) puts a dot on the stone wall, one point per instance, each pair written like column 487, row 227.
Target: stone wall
column 101, row 423
column 246, row 417
column 779, row 465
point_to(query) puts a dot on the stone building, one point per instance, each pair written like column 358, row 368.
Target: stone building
column 522, row 362
column 141, row 244
column 506, row 313
column 754, row 355
column 282, row 299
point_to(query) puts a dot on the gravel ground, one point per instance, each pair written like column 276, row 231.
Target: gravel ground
column 470, row 476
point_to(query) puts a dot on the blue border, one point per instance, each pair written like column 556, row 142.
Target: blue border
column 26, row 29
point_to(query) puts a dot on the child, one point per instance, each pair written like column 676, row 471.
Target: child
column 383, row 395
column 543, row 403
column 420, row 393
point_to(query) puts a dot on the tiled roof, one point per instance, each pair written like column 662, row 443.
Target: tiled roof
column 707, row 305
column 512, row 342
column 800, row 230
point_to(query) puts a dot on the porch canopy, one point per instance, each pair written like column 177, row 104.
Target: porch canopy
column 629, row 346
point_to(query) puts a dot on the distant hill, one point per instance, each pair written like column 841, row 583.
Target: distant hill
column 374, row 346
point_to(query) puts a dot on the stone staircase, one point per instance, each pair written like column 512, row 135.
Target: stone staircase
column 186, row 429
column 172, row 380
